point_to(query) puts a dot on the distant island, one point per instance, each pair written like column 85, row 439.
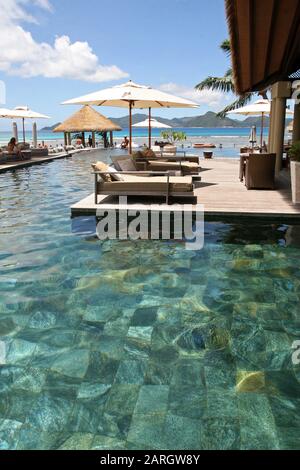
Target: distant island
column 209, row 119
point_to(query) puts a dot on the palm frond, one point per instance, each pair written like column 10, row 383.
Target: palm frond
column 224, row 84
column 229, row 73
column 241, row 101
column 225, row 46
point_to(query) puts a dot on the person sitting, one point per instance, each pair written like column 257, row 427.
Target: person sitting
column 125, row 143
column 12, row 148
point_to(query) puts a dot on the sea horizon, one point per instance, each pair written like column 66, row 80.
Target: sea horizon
column 189, row 131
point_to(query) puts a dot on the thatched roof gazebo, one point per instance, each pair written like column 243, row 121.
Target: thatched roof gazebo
column 87, row 120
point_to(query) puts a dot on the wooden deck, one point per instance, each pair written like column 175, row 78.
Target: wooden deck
column 221, row 193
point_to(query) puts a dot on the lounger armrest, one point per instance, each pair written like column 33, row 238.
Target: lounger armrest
column 138, row 173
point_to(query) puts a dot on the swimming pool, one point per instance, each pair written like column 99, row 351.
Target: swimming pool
column 141, row 345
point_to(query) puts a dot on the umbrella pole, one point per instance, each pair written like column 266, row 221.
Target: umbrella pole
column 130, row 127
column 149, row 128
column 262, row 131
column 23, row 130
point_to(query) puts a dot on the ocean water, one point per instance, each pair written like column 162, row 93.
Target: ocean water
column 141, row 345
column 227, row 140
column 156, row 133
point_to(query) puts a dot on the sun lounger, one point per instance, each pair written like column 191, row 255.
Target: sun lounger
column 7, row 157
column 150, row 164
column 40, row 152
column 139, row 183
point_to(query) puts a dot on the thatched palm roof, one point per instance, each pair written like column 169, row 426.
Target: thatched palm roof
column 87, row 120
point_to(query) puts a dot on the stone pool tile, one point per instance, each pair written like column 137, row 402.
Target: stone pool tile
column 8, row 326
column 136, row 348
column 44, row 356
column 91, row 390
column 152, row 399
column 188, row 371
column 219, row 378
column 60, row 385
column 49, row 414
column 107, row 443
column 85, row 416
column 9, row 433
column 118, row 327
column 110, row 346
column 147, row 430
column 20, row 352
column 251, row 361
column 277, row 341
column 78, row 441
column 289, row 438
column 116, row 426
column 30, row 438
column 101, row 314
column 131, row 372
column 88, row 335
column 278, row 360
column 19, row 404
column 220, row 433
column 30, row 379
column 158, row 373
column 283, row 382
column 122, row 399
column 181, row 433
column 258, row 429
column 73, row 363
column 286, row 411
column 187, row 400
column 144, row 316
column 142, row 333
column 101, row 368
column 221, row 403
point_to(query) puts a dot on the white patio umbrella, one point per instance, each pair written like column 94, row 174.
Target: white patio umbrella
column 22, row 112
column 133, row 96
column 258, row 108
column 153, row 123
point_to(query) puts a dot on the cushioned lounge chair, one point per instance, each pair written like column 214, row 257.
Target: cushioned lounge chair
column 139, row 183
column 150, row 164
column 13, row 157
column 260, row 171
column 39, row 152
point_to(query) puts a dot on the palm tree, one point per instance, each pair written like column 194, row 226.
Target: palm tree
column 225, row 84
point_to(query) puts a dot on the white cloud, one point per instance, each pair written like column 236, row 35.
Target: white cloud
column 22, row 55
column 213, row 99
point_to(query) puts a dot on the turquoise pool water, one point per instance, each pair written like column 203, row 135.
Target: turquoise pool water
column 141, row 345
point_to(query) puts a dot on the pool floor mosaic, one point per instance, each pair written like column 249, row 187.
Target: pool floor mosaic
column 142, row 345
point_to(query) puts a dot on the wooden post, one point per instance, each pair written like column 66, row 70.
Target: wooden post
column 262, row 130
column 281, row 91
column 296, row 128
column 83, row 139
column 271, row 126
column 23, row 119
column 149, row 145
column 69, row 138
column 111, row 140
column 93, row 140
column 65, row 139
column 130, row 128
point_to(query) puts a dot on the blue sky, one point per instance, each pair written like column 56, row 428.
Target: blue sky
column 59, row 49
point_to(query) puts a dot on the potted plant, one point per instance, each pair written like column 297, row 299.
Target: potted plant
column 173, row 136
column 294, row 154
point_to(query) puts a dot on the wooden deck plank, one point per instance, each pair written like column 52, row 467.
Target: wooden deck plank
column 221, row 193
